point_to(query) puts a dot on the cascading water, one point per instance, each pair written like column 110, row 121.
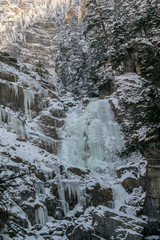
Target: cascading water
column 91, row 139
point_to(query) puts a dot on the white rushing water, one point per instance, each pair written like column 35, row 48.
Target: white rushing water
column 91, row 139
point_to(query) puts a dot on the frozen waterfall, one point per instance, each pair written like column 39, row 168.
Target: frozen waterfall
column 91, row 138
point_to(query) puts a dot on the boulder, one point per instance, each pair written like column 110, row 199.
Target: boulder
column 54, row 207
column 110, row 224
column 122, row 170
column 79, row 171
column 99, row 195
column 130, row 183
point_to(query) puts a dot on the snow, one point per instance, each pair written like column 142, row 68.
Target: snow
column 91, row 136
column 154, row 237
column 120, row 196
column 24, row 150
column 16, row 16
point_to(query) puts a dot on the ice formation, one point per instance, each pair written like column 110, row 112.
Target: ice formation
column 17, row 15
column 41, row 216
column 40, row 190
column 28, row 102
column 9, row 117
column 120, row 196
column 75, row 191
column 92, row 138
column 14, row 88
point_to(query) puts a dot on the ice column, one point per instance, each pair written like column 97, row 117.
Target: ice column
column 41, row 215
column 28, row 102
column 9, row 117
column 61, row 193
column 75, row 191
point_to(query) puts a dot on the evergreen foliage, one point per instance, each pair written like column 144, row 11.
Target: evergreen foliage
column 149, row 61
column 40, row 69
column 148, row 20
column 152, row 114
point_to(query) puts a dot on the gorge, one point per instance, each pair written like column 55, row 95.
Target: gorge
column 79, row 119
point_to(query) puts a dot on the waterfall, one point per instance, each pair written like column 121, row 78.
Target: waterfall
column 91, row 139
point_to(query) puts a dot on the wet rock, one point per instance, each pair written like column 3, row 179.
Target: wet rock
column 54, row 208
column 5, row 58
column 8, row 96
column 29, row 210
column 49, row 145
column 54, row 190
column 48, row 120
column 129, row 183
column 13, row 168
column 58, row 113
column 99, row 195
column 78, row 233
column 45, row 176
column 26, row 194
column 79, row 171
column 4, row 215
column 50, row 132
column 152, row 202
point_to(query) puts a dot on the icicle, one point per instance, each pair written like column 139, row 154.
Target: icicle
column 14, row 88
column 9, row 117
column 41, row 216
column 61, row 193
column 28, row 102
column 40, row 191
column 75, row 191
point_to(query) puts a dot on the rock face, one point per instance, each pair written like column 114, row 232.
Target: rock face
column 116, row 226
column 152, row 201
column 57, row 57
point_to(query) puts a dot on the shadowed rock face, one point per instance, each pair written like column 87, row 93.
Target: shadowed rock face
column 151, row 207
column 36, row 55
column 116, row 226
